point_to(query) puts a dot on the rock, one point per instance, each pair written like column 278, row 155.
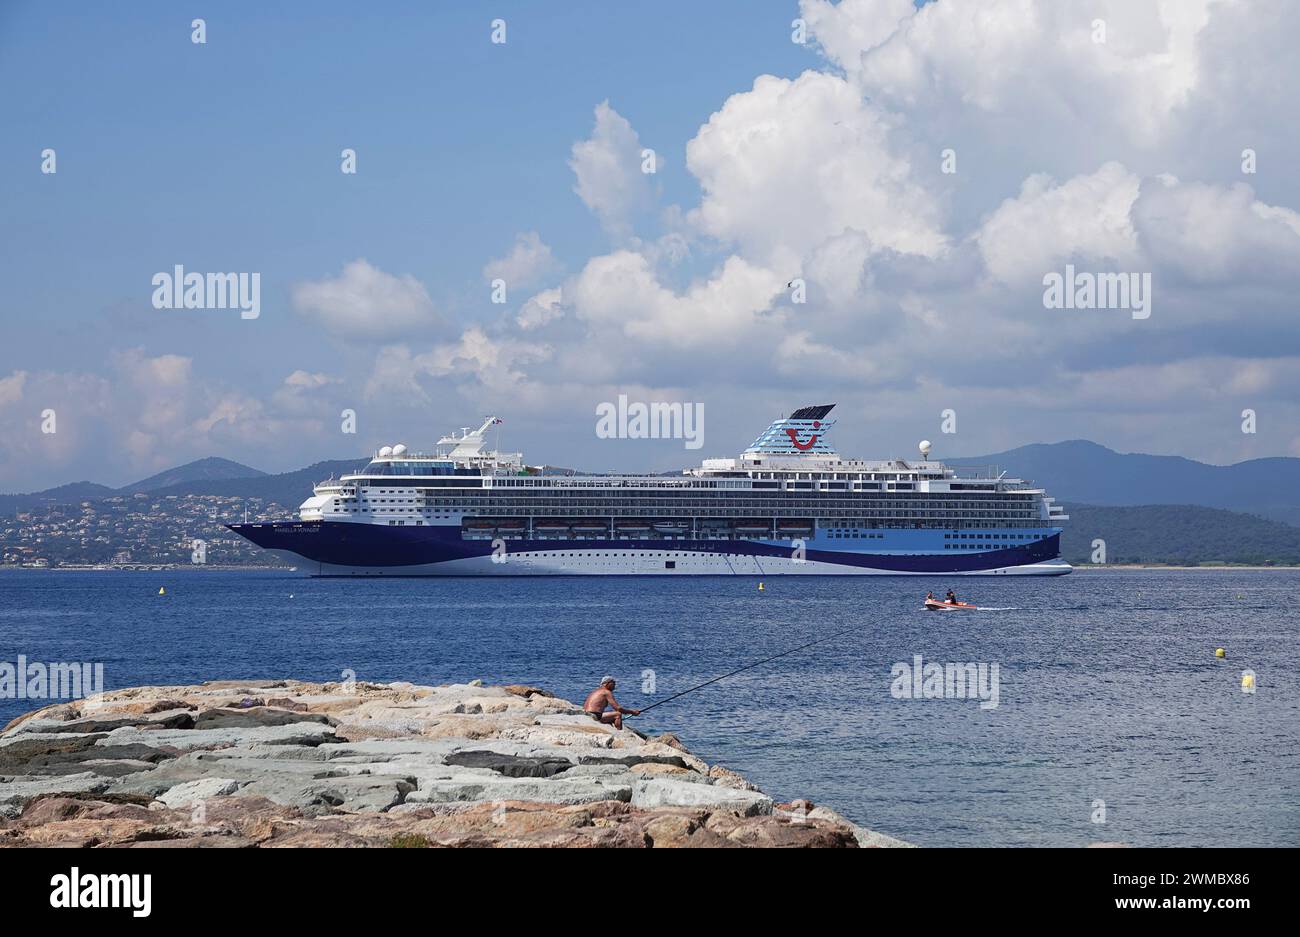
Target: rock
column 476, row 683
column 520, row 689
column 173, row 720
column 662, row 792
column 256, row 716
column 670, row 831
column 286, row 763
column 193, row 792
column 298, row 733
column 512, row 766
column 19, row 790
column 553, row 791
column 779, row 832
column 725, row 777
column 631, row 757
column 355, row 793
column 657, row 768
column 575, row 737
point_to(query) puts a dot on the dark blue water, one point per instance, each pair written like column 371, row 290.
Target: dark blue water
column 1109, row 688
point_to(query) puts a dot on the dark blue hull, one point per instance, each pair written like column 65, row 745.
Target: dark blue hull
column 342, row 548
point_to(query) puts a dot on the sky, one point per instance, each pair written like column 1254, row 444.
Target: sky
column 856, row 202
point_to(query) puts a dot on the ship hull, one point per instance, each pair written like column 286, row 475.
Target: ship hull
column 356, row 549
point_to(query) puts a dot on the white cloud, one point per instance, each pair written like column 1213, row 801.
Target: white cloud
column 1218, row 234
column 846, row 29
column 11, row 388
column 607, row 165
column 789, row 164
column 1038, row 61
column 529, row 260
column 476, row 357
column 364, row 302
column 307, row 380
column 620, row 292
column 545, row 307
column 1087, row 217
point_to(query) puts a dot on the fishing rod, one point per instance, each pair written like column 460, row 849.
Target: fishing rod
column 765, row 660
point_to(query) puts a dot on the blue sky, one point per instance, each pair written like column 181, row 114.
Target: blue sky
column 225, row 156
column 924, row 287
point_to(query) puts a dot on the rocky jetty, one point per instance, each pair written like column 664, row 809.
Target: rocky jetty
column 284, row 763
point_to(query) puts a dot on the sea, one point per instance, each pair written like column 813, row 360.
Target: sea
column 1114, row 720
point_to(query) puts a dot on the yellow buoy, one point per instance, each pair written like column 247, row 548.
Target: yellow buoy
column 162, row 591
column 760, row 587
column 1247, row 681
column 1220, row 652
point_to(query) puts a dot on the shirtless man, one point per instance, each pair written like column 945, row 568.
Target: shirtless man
column 602, row 697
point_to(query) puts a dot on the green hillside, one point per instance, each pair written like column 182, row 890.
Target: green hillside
column 1180, row 534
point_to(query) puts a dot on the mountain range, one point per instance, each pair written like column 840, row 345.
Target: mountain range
column 1086, row 473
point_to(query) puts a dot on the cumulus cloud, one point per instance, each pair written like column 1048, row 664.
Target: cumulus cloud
column 608, row 167
column 543, row 308
column 366, row 303
column 1085, row 218
column 621, row 291
column 529, row 261
column 306, row 380
column 1217, row 234
column 789, row 164
column 476, row 357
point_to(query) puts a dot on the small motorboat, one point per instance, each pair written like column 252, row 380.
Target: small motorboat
column 935, row 605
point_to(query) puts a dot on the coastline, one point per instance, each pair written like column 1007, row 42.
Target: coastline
column 265, row 763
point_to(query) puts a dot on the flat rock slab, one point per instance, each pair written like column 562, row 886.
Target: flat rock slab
column 20, row 790
column 250, row 718
column 664, row 792
column 550, row 791
column 512, row 766
column 299, row 733
column 193, row 792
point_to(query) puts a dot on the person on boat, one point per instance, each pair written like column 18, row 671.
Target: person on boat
column 951, row 597
column 929, row 597
column 603, row 697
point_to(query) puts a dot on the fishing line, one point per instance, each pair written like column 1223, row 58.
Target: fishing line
column 748, row 667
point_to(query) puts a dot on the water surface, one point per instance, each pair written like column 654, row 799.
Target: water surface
column 1109, row 688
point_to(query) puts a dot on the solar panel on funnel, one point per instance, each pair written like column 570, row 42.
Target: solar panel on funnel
column 812, row 413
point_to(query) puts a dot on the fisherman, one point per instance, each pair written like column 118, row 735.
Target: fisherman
column 603, row 697
column 951, row 597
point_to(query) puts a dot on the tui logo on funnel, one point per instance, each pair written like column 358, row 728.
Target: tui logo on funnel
column 803, row 446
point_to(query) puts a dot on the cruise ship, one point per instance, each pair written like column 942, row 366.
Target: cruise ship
column 787, row 505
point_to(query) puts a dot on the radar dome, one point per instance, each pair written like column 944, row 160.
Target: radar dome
column 385, row 452
column 399, row 449
column 925, row 448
